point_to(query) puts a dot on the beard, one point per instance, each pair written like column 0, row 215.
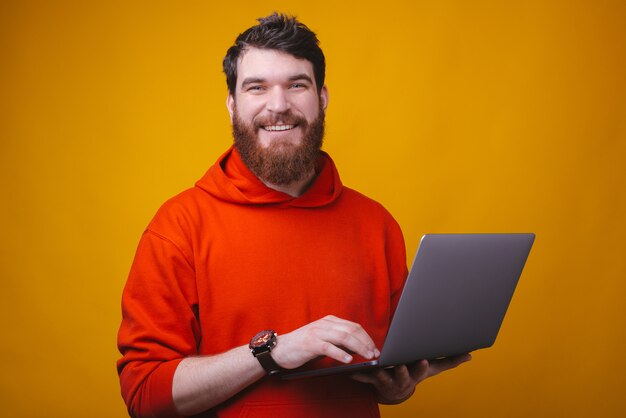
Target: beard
column 282, row 162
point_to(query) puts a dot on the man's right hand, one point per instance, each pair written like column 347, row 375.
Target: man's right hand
column 330, row 336
column 202, row 382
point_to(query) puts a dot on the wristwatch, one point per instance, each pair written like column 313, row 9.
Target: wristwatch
column 261, row 346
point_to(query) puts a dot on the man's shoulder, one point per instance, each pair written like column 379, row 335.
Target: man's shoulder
column 182, row 201
column 356, row 197
column 365, row 204
column 180, row 210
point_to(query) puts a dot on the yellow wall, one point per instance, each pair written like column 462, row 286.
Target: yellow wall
column 458, row 116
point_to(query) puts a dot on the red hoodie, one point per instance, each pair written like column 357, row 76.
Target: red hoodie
column 230, row 257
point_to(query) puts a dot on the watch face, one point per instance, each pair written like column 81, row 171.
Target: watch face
column 261, row 339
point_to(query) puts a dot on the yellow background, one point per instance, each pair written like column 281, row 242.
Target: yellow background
column 459, row 116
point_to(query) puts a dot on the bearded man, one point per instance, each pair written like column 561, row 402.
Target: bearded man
column 269, row 263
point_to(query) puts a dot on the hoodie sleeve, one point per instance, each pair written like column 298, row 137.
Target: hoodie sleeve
column 159, row 325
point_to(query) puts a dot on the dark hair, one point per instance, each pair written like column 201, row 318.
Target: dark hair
column 279, row 32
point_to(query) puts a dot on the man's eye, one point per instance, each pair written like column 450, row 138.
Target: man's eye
column 298, row 85
column 255, row 88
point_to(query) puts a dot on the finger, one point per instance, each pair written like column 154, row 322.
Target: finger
column 365, row 378
column 350, row 327
column 351, row 341
column 343, row 339
column 356, row 331
column 402, row 379
column 419, row 370
column 401, row 374
column 383, row 376
column 440, row 365
column 329, row 349
column 377, row 377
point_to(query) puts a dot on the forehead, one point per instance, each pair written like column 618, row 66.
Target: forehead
column 271, row 65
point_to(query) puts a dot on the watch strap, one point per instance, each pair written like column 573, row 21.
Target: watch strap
column 268, row 363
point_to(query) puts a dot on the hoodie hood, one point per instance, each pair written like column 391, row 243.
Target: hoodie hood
column 230, row 180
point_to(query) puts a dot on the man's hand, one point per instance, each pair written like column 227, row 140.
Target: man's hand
column 398, row 384
column 330, row 336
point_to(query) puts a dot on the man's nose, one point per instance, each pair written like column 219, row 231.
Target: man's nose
column 278, row 102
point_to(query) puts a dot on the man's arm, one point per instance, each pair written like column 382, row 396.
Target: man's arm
column 201, row 383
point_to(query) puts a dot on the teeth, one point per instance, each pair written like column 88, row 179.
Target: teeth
column 278, row 127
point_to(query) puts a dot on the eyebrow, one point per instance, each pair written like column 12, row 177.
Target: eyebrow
column 301, row 76
column 253, row 80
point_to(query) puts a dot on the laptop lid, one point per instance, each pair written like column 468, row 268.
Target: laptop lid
column 454, row 299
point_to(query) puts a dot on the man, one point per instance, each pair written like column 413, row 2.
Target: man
column 269, row 239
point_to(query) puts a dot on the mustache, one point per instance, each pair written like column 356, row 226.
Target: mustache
column 286, row 118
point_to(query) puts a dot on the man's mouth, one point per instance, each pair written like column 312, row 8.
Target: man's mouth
column 273, row 128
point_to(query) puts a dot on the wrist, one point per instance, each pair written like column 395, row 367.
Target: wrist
column 261, row 346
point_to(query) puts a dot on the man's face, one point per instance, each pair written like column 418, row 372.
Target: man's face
column 277, row 115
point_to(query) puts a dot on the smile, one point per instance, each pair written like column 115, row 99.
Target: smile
column 279, row 127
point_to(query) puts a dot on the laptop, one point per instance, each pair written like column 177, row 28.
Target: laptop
column 453, row 302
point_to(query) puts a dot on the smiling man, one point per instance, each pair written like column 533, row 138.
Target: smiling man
column 277, row 113
column 268, row 264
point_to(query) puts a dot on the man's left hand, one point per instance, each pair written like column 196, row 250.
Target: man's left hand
column 398, row 384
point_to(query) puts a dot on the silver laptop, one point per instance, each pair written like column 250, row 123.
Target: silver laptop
column 453, row 301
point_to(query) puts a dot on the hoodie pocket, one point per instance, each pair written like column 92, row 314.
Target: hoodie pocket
column 339, row 408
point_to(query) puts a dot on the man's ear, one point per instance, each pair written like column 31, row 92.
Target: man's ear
column 230, row 105
column 324, row 97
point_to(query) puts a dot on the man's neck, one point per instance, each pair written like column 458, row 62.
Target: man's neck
column 294, row 189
